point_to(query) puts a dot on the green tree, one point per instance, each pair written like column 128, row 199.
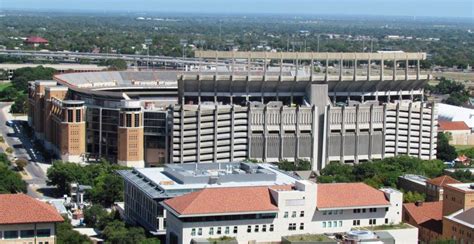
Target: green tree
column 97, row 217
column 21, row 163
column 66, row 235
column 444, row 151
column 108, row 188
column 116, row 232
column 411, row 197
column 10, row 181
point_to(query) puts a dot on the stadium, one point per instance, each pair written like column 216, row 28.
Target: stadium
column 233, row 106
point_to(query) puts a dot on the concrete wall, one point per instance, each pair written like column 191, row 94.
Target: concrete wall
column 18, row 227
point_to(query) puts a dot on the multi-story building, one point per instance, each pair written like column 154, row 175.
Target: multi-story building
column 271, row 107
column 459, row 226
column 265, row 214
column 434, row 187
column 146, row 188
column 26, row 220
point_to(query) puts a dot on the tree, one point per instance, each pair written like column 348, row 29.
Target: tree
column 10, row 181
column 411, row 197
column 97, row 217
column 445, row 151
column 108, row 188
column 19, row 104
column 116, row 232
column 463, row 175
column 63, row 174
column 66, row 235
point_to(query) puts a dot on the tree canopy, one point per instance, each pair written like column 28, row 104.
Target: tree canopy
column 444, row 151
column 10, row 181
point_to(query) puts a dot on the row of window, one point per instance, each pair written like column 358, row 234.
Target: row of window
column 461, row 231
column 15, row 234
column 330, row 224
column 333, row 212
column 293, row 214
column 371, row 210
column 271, row 227
column 227, row 230
column 292, row 226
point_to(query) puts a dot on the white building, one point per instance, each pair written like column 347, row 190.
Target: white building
column 266, row 214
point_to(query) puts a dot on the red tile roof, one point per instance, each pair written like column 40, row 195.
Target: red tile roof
column 442, row 180
column 36, row 39
column 223, row 200
column 452, row 125
column 428, row 214
column 22, row 209
column 336, row 195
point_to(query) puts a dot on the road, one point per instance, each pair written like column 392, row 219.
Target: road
column 16, row 138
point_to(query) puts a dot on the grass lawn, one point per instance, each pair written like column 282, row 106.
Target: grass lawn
column 4, row 86
column 387, row 227
column 308, row 238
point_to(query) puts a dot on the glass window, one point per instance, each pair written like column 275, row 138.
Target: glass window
column 227, row 230
column 293, row 214
column 70, row 117
column 324, row 212
column 285, row 215
column 128, row 122
column 219, row 230
column 256, row 228
column 78, row 115
column 235, row 229
column 329, row 224
column 340, row 223
column 341, row 211
column 193, row 231
column 324, row 224
column 211, row 231
column 27, row 233
column 43, row 232
column 200, row 232
column 301, row 226
column 271, row 228
column 137, row 120
column 249, row 228
column 264, row 228
column 386, row 221
column 334, row 223
column 10, row 234
column 302, row 214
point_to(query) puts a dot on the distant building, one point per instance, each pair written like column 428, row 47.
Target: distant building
column 24, row 219
column 36, row 41
column 427, row 217
column 459, row 226
column 434, row 187
column 413, row 183
column 448, row 112
column 460, row 133
column 264, row 214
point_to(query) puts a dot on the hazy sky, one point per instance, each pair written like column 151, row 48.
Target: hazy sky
column 444, row 8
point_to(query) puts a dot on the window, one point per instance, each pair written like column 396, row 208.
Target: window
column 211, row 231
column 193, row 231
column 271, row 228
column 200, row 232
column 264, row 228
column 334, row 223
column 249, row 229
column 386, row 221
column 43, row 233
column 219, row 230
column 78, row 115
column 372, row 221
column 302, row 214
column 301, row 226
column 292, row 226
column 329, row 224
column 137, row 120
column 363, row 210
column 235, row 230
column 330, row 212
column 340, row 223
column 227, row 230
column 356, row 210
column 10, row 234
column 27, row 233
column 69, row 116
column 386, row 209
column 256, row 228
column 372, row 210
column 128, row 122
column 285, row 215
column 324, row 213
column 293, row 214
column 324, row 224
column 341, row 211
column 356, row 222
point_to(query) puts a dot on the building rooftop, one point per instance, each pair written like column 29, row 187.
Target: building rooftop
column 349, row 195
column 177, row 179
column 462, row 187
column 463, row 217
column 419, row 179
column 224, row 200
column 426, row 214
column 443, row 180
column 452, row 125
column 22, row 209
column 36, row 39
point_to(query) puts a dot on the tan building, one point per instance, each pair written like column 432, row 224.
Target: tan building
column 459, row 226
column 434, row 187
column 26, row 220
column 130, row 135
column 457, row 197
column 460, row 133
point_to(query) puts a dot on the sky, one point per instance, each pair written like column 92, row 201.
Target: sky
column 432, row 8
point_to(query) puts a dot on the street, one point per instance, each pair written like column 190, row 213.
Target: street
column 16, row 138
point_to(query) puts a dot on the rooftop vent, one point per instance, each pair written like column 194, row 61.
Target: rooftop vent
column 418, row 203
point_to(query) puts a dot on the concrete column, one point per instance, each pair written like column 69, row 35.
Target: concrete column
column 281, row 67
column 100, row 132
column 265, row 134
column 198, row 135
column 357, row 134
column 312, row 70
column 341, row 67
column 249, row 131
column 232, row 125
column 382, row 68
column 432, row 136
column 216, row 127
column 282, row 132
column 297, row 67
column 314, row 138
column 417, row 69
column 384, row 133
column 355, row 69
column 406, row 69
column 394, row 69
column 343, row 133
column 371, row 131
column 248, row 66
column 368, row 69
column 326, row 76
column 420, row 136
column 297, row 144
column 409, row 128
column 397, row 131
column 181, row 134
